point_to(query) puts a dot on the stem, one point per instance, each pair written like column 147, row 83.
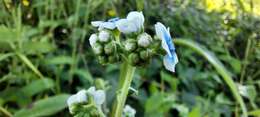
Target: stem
column 126, row 76
column 6, row 112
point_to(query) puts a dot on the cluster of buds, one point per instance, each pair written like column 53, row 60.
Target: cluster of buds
column 134, row 45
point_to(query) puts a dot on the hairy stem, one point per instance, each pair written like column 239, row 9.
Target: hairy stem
column 126, row 76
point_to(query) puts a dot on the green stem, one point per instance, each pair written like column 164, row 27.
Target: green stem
column 126, row 76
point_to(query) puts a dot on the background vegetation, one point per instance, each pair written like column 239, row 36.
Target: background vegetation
column 45, row 56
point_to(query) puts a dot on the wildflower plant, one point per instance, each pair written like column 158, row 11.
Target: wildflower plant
column 123, row 40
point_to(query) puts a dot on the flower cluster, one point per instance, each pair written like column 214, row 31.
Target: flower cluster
column 87, row 102
column 134, row 45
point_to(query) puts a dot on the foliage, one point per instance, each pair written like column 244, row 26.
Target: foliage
column 45, row 55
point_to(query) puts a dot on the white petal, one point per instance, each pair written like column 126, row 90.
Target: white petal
column 81, row 96
column 108, row 25
column 99, row 97
column 92, row 39
column 96, row 23
column 137, row 18
column 169, row 63
column 91, row 90
column 161, row 30
column 126, row 26
column 129, row 111
column 103, row 36
column 72, row 100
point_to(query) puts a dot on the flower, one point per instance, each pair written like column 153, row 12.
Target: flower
column 103, row 36
column 171, row 59
column 93, row 39
column 129, row 111
column 133, row 23
column 110, row 24
column 144, row 40
column 80, row 97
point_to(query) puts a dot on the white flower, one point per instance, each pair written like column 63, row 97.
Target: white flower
column 171, row 59
column 144, row 40
column 129, row 111
column 93, row 39
column 137, row 18
column 80, row 97
column 110, row 24
column 133, row 23
column 126, row 26
column 103, row 36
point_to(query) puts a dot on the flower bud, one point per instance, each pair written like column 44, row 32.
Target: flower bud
column 97, row 48
column 134, row 58
column 145, row 54
column 100, row 84
column 129, row 111
column 103, row 36
column 109, row 48
column 102, row 59
column 144, row 40
column 130, row 45
column 93, row 39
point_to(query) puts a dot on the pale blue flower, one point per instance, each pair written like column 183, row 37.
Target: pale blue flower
column 110, row 24
column 171, row 59
column 132, row 23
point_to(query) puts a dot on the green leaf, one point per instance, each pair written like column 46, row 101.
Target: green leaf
column 172, row 81
column 7, row 35
column 85, row 75
column 254, row 113
column 59, row 60
column 4, row 56
column 195, row 112
column 44, row 107
column 37, row 86
column 37, row 47
column 29, row 64
column 218, row 66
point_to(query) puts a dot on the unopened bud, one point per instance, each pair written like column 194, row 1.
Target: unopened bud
column 145, row 54
column 97, row 48
column 144, row 40
column 134, row 58
column 103, row 36
column 109, row 48
column 100, row 84
column 93, row 39
column 130, row 45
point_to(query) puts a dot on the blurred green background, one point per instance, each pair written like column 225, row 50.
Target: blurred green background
column 45, row 56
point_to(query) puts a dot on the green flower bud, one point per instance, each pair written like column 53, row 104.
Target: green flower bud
column 109, row 48
column 134, row 58
column 145, row 54
column 102, row 59
column 97, row 48
column 130, row 45
column 100, row 84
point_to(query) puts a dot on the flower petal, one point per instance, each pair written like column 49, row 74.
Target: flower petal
column 126, row 26
column 170, row 62
column 81, row 96
column 108, row 25
column 137, row 18
column 162, row 33
column 99, row 97
column 96, row 23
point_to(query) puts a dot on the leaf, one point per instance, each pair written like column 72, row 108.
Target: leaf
column 254, row 113
column 38, row 86
column 37, row 47
column 44, row 107
column 29, row 64
column 218, row 66
column 59, row 60
column 7, row 35
column 172, row 81
column 4, row 56
column 85, row 75
column 195, row 112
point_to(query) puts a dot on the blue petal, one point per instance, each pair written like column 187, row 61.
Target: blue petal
column 113, row 19
column 170, row 62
